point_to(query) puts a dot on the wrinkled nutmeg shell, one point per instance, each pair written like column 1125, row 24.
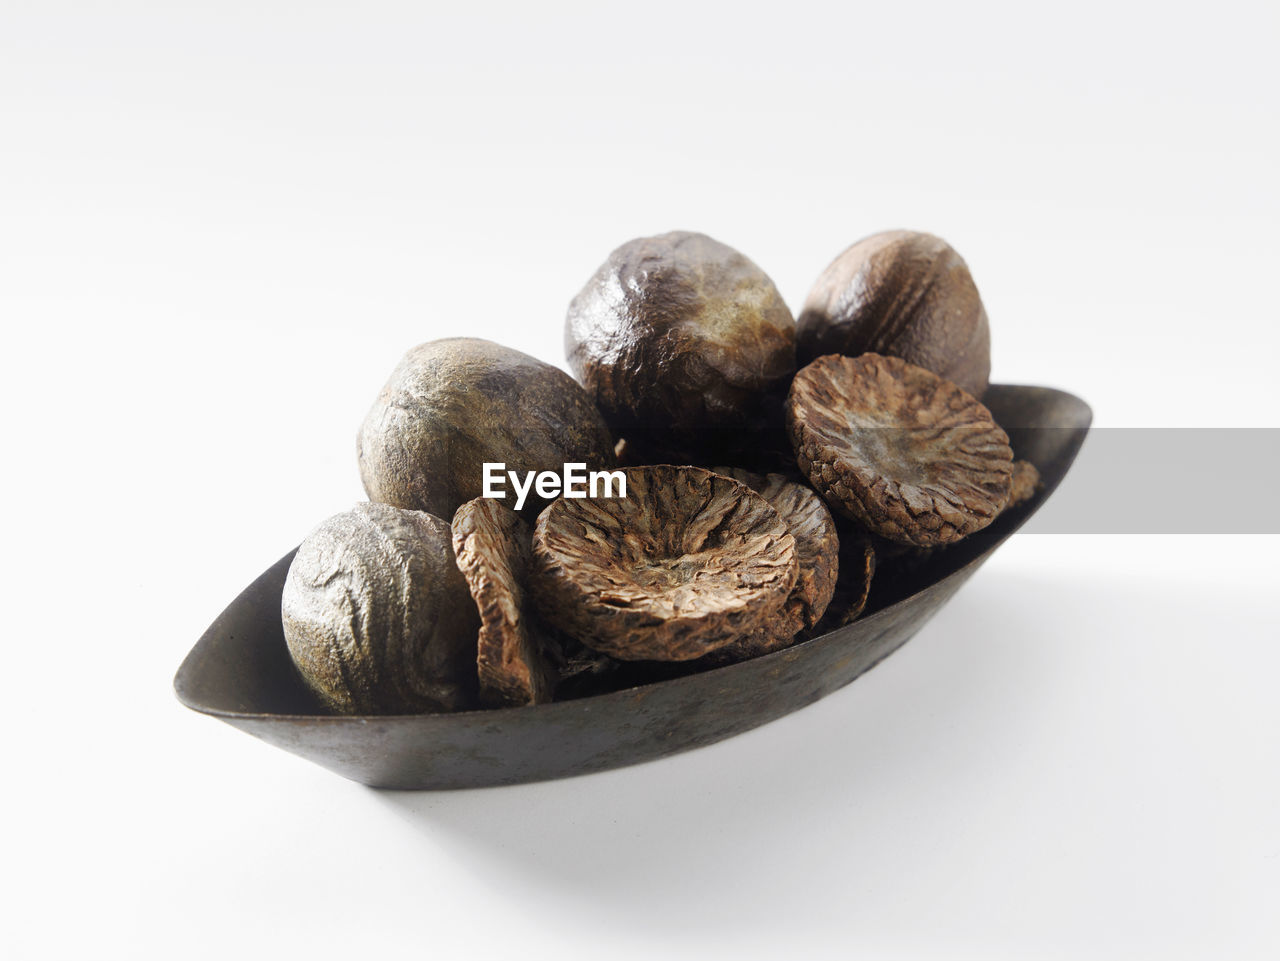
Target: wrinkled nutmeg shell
column 909, row 455
column 684, row 564
column 681, row 341
column 452, row 405
column 901, row 294
column 378, row 618
column 491, row 544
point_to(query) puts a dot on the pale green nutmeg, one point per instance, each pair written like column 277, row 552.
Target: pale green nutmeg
column 453, row 405
column 377, row 617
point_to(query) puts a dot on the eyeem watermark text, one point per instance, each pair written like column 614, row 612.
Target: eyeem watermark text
column 574, row 482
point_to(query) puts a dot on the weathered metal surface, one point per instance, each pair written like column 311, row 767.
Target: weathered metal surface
column 240, row 671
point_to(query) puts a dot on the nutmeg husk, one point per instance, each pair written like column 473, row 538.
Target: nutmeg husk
column 910, row 456
column 818, row 556
column 514, row 663
column 686, row 563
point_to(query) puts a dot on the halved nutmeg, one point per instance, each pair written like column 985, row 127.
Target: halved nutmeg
column 684, row 564
column 491, row 543
column 818, row 554
column 911, row 456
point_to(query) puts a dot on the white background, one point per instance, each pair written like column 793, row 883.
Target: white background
column 222, row 224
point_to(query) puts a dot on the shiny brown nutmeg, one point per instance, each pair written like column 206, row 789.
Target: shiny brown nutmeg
column 378, row 618
column 514, row 664
column 453, row 405
column 901, row 294
column 909, row 455
column 684, row 564
column 682, row 342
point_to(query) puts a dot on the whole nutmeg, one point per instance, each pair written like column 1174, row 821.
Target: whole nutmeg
column 681, row 340
column 900, row 294
column 453, row 405
column 377, row 617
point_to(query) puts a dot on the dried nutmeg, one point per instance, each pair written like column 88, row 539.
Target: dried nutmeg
column 491, row 543
column 377, row 617
column 858, row 564
column 818, row 555
column 681, row 341
column 1025, row 483
column 682, row 565
column 453, row 405
column 901, row 294
column 909, row 455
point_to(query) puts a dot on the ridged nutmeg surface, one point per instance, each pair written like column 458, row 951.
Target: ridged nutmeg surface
column 377, row 616
column 902, row 294
column 911, row 456
column 684, row 564
column 1026, row 481
column 678, row 338
column 452, row 405
column 491, row 543
column 853, row 586
column 817, row 554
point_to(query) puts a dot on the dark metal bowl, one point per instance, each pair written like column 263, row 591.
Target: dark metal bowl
column 240, row 670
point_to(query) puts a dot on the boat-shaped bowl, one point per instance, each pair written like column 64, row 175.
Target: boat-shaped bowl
column 240, row 671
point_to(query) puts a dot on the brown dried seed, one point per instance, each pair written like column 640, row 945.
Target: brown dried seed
column 911, row 456
column 378, row 618
column 1025, row 483
column 491, row 543
column 817, row 552
column 858, row 563
column 859, row 581
column 453, row 405
column 902, row 294
column 681, row 341
column 684, row 564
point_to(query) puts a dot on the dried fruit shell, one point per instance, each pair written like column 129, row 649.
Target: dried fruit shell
column 491, row 544
column 858, row 564
column 685, row 563
column 909, row 455
column 817, row 552
column 1025, row 483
